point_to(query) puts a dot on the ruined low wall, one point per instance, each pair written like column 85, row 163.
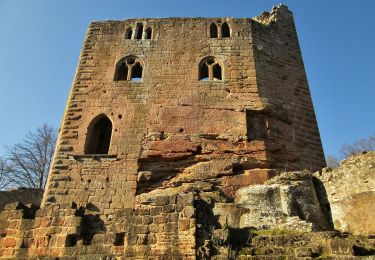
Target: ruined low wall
column 192, row 221
column 23, row 195
column 351, row 194
column 159, row 226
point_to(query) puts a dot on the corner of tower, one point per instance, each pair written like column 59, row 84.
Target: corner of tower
column 278, row 13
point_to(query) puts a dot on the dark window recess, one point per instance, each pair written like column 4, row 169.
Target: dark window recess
column 119, row 239
column 128, row 68
column 139, row 31
column 256, row 125
column 203, row 72
column 213, row 30
column 71, row 240
column 210, row 69
column 148, row 33
column 128, row 33
column 99, row 136
column 216, row 71
column 225, row 31
column 122, row 72
column 136, row 72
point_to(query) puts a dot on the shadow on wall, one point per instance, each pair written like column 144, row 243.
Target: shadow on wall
column 323, row 200
column 23, row 195
column 90, row 225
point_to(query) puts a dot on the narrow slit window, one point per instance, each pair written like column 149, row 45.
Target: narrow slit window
column 225, row 31
column 98, row 136
column 128, row 33
column 148, row 33
column 136, row 72
column 213, row 30
column 139, row 31
column 216, row 72
column 119, row 239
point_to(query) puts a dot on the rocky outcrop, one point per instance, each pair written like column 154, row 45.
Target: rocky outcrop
column 351, row 193
column 282, row 203
column 277, row 244
column 281, row 218
column 279, row 203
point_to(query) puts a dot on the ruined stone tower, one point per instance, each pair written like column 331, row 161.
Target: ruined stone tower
column 154, row 98
column 159, row 110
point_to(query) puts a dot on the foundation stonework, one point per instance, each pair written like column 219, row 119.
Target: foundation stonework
column 167, row 122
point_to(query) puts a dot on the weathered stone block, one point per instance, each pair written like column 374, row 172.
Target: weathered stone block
column 9, row 242
column 349, row 190
column 162, row 200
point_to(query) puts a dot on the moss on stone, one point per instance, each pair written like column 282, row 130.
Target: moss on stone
column 276, row 232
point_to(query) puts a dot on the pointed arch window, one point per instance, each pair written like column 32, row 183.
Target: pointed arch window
column 148, row 33
column 213, row 31
column 99, row 135
column 123, row 71
column 216, row 72
column 225, row 30
column 210, row 69
column 129, row 68
column 139, row 31
column 136, row 74
column 203, row 72
column 128, row 33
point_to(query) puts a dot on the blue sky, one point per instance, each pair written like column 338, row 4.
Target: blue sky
column 41, row 40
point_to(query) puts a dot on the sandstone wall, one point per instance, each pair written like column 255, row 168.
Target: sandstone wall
column 162, row 226
column 23, row 195
column 200, row 119
column 294, row 138
column 350, row 191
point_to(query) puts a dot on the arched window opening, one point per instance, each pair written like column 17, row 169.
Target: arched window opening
column 213, row 30
column 225, row 31
column 122, row 72
column 139, row 31
column 98, row 136
column 210, row 69
column 216, row 71
column 148, row 33
column 128, row 33
column 129, row 68
column 136, row 72
column 203, row 72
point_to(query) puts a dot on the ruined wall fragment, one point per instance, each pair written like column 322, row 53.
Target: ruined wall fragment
column 351, row 195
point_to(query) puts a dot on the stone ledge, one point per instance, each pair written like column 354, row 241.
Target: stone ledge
column 96, row 157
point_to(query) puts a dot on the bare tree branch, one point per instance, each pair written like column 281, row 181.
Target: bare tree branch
column 27, row 163
column 365, row 144
column 3, row 173
column 332, row 162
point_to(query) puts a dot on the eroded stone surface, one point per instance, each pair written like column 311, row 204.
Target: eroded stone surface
column 350, row 191
column 281, row 202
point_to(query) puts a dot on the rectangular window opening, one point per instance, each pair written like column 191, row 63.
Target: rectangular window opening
column 119, row 239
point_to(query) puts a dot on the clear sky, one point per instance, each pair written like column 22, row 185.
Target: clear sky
column 40, row 42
